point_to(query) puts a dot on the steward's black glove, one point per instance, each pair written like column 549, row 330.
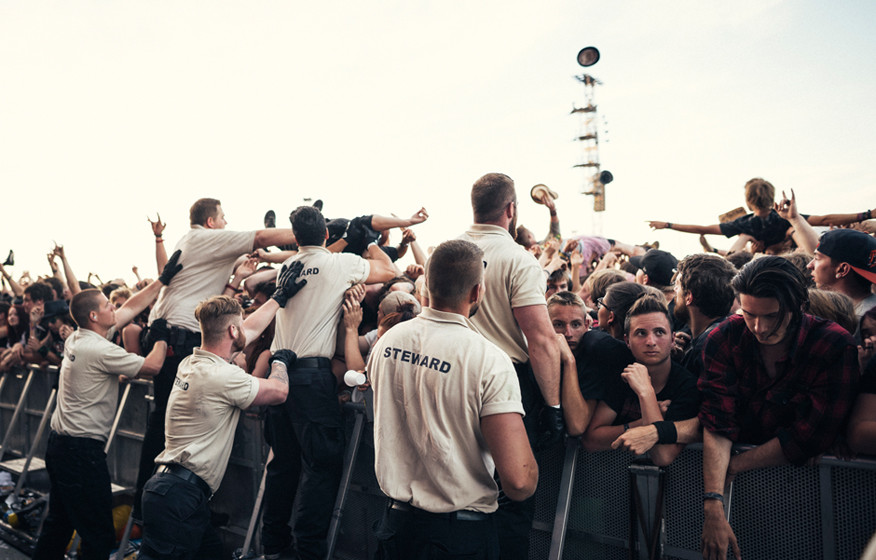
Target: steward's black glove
column 287, row 357
column 288, row 283
column 171, row 268
column 158, row 330
column 551, row 428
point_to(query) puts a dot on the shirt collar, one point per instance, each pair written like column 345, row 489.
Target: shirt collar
column 490, row 229
column 310, row 249
column 443, row 316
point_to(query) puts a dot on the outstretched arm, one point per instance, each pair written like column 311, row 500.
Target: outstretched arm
column 160, row 251
column 72, row 282
column 687, row 228
column 380, row 223
column 16, row 287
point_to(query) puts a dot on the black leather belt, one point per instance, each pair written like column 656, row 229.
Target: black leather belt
column 181, row 472
column 313, row 363
column 461, row 515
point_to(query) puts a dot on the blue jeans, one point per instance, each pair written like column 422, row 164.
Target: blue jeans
column 80, row 498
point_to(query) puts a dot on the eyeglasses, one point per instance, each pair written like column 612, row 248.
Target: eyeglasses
column 601, row 303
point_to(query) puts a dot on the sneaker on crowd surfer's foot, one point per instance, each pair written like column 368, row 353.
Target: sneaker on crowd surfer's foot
column 270, row 219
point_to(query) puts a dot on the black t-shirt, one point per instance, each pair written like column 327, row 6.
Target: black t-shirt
column 600, row 357
column 681, row 389
column 771, row 230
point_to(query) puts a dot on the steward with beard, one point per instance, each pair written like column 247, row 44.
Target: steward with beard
column 208, row 395
column 442, row 425
column 513, row 316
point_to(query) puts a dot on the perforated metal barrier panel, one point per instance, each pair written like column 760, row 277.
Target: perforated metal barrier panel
column 826, row 511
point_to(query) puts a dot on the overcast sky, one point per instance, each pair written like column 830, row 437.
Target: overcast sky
column 110, row 111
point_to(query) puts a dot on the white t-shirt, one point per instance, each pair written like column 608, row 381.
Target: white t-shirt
column 202, row 412
column 207, row 261
column 434, row 379
column 88, row 384
column 512, row 278
column 308, row 325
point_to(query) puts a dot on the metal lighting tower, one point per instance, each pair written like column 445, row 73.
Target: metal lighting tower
column 588, row 132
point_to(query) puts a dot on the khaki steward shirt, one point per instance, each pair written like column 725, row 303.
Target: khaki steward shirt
column 207, row 259
column 202, row 412
column 88, row 384
column 434, row 379
column 308, row 325
column 513, row 278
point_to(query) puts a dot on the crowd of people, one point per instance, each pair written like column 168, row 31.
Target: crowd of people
column 487, row 347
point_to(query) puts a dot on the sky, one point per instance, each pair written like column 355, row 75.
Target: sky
column 114, row 111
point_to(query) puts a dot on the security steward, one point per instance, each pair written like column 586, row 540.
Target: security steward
column 203, row 409
column 88, row 391
column 210, row 251
column 306, row 433
column 447, row 415
column 514, row 316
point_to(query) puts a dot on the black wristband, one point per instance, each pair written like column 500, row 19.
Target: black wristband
column 714, row 496
column 666, row 432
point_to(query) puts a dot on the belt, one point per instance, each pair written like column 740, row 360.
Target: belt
column 312, row 363
column 181, row 472
column 460, row 515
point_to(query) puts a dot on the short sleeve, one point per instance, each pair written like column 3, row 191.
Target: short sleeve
column 116, row 361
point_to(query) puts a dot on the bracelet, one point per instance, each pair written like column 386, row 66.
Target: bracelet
column 626, row 426
column 666, row 432
column 233, row 289
column 668, row 225
column 714, row 496
column 868, row 214
column 159, row 240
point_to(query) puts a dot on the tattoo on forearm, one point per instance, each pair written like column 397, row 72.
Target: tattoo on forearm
column 278, row 372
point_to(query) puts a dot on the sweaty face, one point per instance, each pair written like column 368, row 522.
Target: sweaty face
column 764, row 320
column 569, row 321
column 650, row 338
column 823, row 271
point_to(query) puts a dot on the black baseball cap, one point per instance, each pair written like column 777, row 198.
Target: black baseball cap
column 659, row 265
column 856, row 248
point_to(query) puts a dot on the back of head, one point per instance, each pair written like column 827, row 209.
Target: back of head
column 647, row 303
column 214, row 316
column 776, row 278
column 760, row 193
column 454, row 268
column 396, row 301
column 56, row 285
column 707, row 277
column 490, row 195
column 833, row 306
column 405, row 313
column 740, row 259
column 120, row 293
column 801, row 260
column 660, row 267
column 83, row 304
column 620, row 297
column 308, row 225
column 600, row 280
column 202, row 209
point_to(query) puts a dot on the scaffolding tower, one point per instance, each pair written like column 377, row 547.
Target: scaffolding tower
column 588, row 135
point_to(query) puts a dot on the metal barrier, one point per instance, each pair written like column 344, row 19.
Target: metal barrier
column 584, row 503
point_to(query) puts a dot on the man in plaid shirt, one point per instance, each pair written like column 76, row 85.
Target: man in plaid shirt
column 774, row 377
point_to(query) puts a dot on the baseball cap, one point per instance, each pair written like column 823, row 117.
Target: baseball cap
column 54, row 308
column 395, row 300
column 856, row 248
column 659, row 265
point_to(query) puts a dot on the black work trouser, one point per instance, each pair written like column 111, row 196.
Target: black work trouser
column 420, row 535
column 308, row 430
column 80, row 498
column 183, row 344
column 176, row 517
column 514, row 519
